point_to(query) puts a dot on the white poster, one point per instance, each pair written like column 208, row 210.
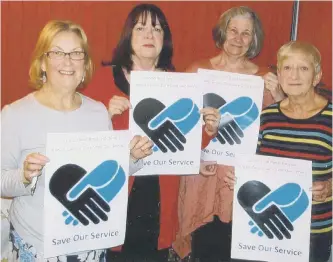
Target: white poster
column 165, row 107
column 272, row 209
column 86, row 191
column 239, row 100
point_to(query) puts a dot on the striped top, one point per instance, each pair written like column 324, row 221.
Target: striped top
column 308, row 139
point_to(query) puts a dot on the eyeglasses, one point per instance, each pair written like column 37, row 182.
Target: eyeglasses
column 58, row 55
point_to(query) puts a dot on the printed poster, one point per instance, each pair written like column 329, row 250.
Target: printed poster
column 238, row 97
column 165, row 107
column 272, row 209
column 86, row 191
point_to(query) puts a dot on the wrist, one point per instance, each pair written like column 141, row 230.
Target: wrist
column 134, row 159
column 24, row 180
column 277, row 94
column 210, row 133
column 329, row 187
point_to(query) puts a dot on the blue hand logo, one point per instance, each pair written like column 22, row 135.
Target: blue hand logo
column 166, row 126
column 236, row 116
column 272, row 212
column 87, row 196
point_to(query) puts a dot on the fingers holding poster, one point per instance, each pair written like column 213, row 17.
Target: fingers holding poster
column 272, row 209
column 86, row 191
column 166, row 109
column 239, row 125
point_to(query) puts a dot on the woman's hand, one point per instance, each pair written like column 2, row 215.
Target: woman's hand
column 272, row 84
column 321, row 190
column 230, row 178
column 141, row 147
column 117, row 105
column 212, row 118
column 33, row 165
column 208, row 168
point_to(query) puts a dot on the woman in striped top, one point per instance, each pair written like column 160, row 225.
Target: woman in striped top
column 300, row 126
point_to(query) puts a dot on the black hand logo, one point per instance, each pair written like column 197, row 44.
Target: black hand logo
column 166, row 136
column 229, row 131
column 272, row 221
column 88, row 205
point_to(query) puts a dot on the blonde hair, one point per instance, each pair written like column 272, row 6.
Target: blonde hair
column 306, row 49
column 220, row 29
column 46, row 36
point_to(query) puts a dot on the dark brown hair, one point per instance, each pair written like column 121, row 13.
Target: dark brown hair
column 122, row 54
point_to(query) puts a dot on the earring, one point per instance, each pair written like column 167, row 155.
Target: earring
column 82, row 80
column 44, row 77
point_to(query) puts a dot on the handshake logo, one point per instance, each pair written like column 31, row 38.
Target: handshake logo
column 86, row 197
column 236, row 116
column 166, row 126
column 272, row 212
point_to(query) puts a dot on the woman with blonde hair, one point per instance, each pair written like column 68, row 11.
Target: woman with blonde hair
column 61, row 64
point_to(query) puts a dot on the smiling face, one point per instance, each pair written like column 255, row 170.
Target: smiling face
column 239, row 36
column 147, row 39
column 64, row 72
column 296, row 74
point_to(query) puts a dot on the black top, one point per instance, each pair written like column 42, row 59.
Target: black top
column 143, row 213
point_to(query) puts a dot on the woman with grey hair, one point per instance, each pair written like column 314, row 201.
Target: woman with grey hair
column 205, row 200
column 300, row 127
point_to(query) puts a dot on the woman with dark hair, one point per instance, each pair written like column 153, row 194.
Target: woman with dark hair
column 145, row 44
column 140, row 15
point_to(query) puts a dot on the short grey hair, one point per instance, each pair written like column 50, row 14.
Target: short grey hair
column 220, row 29
column 305, row 48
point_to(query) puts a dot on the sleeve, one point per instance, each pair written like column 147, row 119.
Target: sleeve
column 110, row 124
column 134, row 166
column 205, row 138
column 260, row 136
column 11, row 175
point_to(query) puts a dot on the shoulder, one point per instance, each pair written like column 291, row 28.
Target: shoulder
column 19, row 106
column 262, row 70
column 95, row 113
column 19, row 111
column 328, row 110
column 273, row 108
column 271, row 111
column 92, row 104
column 270, row 114
column 205, row 63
